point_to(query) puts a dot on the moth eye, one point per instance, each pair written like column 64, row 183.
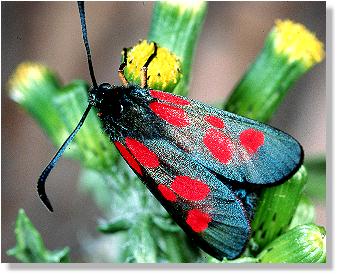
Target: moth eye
column 105, row 86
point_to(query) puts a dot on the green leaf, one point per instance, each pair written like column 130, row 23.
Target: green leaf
column 166, row 224
column 117, row 225
column 177, row 248
column 58, row 256
column 141, row 246
column 30, row 247
column 174, row 246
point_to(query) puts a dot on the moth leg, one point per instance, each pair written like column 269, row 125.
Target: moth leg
column 248, row 199
column 144, row 68
column 121, row 69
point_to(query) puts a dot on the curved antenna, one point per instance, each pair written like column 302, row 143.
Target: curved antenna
column 52, row 163
column 81, row 7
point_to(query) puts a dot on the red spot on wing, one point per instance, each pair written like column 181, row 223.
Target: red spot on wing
column 215, row 121
column 219, row 145
column 167, row 97
column 144, row 155
column 189, row 188
column 251, row 139
column 167, row 193
column 128, row 157
column 171, row 114
column 198, row 220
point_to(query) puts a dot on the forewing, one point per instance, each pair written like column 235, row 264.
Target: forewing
column 206, row 209
column 234, row 147
column 190, row 155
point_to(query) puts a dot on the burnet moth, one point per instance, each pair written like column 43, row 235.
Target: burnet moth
column 203, row 164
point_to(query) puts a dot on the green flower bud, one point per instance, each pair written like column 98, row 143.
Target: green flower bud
column 289, row 52
column 302, row 244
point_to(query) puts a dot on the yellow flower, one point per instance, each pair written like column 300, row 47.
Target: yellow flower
column 296, row 42
column 24, row 75
column 164, row 70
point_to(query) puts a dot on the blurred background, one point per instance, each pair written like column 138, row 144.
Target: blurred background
column 49, row 33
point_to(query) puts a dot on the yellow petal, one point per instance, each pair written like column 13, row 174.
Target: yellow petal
column 164, row 68
column 297, row 42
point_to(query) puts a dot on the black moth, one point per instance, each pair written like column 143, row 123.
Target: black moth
column 200, row 162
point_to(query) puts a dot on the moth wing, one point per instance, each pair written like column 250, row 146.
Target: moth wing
column 236, row 148
column 204, row 207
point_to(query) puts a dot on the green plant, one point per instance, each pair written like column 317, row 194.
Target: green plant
column 147, row 233
column 30, row 247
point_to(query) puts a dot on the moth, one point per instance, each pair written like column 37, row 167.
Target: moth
column 203, row 164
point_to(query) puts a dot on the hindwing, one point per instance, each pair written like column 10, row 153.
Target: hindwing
column 204, row 207
column 190, row 155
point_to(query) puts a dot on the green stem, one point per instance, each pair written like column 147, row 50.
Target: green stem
column 177, row 27
column 276, row 209
column 264, row 86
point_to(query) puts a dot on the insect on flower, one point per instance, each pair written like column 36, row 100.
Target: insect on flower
column 203, row 164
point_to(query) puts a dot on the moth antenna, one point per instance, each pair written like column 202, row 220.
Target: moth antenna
column 81, row 7
column 144, row 69
column 52, row 163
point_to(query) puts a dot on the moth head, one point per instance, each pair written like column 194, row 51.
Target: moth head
column 97, row 95
column 107, row 99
